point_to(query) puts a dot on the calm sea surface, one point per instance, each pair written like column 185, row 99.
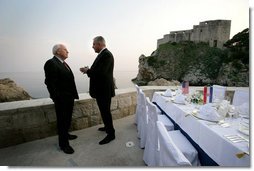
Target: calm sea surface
column 33, row 82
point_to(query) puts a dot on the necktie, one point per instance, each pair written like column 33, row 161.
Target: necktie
column 66, row 65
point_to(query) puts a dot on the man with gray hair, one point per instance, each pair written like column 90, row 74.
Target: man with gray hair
column 102, row 86
column 62, row 89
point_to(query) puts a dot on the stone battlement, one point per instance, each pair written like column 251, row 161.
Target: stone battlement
column 214, row 32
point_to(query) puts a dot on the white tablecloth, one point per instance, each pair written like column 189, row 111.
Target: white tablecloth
column 209, row 136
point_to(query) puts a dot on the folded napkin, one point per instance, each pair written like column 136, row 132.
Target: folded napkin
column 180, row 99
column 223, row 108
column 224, row 103
column 168, row 93
column 243, row 110
column 223, row 111
column 178, row 91
column 208, row 112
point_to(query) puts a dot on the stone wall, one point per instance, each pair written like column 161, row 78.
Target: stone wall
column 28, row 120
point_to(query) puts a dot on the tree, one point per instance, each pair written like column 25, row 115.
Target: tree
column 239, row 47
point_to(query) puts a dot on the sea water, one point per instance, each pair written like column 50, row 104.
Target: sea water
column 33, row 82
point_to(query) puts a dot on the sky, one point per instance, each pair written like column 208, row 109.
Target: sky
column 30, row 28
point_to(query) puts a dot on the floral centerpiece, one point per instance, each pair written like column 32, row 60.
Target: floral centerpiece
column 196, row 97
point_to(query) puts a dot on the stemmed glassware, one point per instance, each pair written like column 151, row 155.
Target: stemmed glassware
column 231, row 113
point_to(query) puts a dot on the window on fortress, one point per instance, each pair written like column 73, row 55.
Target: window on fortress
column 215, row 43
column 200, row 30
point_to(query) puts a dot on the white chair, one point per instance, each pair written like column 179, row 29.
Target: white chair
column 219, row 92
column 138, row 107
column 185, row 147
column 240, row 97
column 142, row 120
column 160, row 117
column 150, row 156
column 169, row 153
column 174, row 148
column 158, row 111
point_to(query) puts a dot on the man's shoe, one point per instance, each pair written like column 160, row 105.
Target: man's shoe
column 67, row 149
column 102, row 129
column 107, row 139
column 72, row 137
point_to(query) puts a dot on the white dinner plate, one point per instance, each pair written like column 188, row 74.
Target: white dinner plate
column 200, row 117
column 165, row 95
column 245, row 116
column 182, row 103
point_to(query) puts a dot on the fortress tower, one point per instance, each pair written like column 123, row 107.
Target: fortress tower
column 214, row 32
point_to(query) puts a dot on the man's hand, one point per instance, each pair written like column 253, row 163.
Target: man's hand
column 84, row 69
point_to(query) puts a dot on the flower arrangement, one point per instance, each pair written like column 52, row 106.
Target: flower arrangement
column 196, row 98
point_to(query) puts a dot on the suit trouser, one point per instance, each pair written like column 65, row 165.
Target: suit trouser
column 104, row 106
column 64, row 108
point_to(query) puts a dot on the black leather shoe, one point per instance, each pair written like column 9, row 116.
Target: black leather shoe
column 107, row 139
column 72, row 137
column 67, row 149
column 102, row 129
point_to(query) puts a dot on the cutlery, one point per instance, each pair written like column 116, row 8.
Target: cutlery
column 230, row 135
column 236, row 138
column 225, row 125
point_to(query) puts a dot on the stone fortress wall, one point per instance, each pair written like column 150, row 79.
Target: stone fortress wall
column 214, row 32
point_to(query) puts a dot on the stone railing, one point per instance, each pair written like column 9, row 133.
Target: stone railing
column 28, row 120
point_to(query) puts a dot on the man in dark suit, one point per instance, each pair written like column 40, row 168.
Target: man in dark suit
column 102, row 85
column 62, row 89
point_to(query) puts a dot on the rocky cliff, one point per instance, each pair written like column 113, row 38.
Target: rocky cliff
column 9, row 91
column 198, row 63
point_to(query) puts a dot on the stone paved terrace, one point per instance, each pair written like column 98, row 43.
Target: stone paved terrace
column 88, row 153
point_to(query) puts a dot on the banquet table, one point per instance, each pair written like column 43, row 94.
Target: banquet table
column 209, row 138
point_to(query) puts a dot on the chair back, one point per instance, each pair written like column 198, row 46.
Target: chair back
column 142, row 120
column 152, row 112
column 219, row 92
column 150, row 155
column 138, row 105
column 240, row 97
column 142, row 98
column 169, row 153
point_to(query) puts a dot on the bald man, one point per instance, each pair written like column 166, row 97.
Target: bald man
column 102, row 86
column 62, row 89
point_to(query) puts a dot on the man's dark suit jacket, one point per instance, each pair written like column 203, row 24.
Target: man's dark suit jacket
column 59, row 80
column 101, row 76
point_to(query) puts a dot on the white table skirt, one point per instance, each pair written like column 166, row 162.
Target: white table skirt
column 210, row 137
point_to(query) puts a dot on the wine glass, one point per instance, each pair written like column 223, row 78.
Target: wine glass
column 228, row 99
column 231, row 112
